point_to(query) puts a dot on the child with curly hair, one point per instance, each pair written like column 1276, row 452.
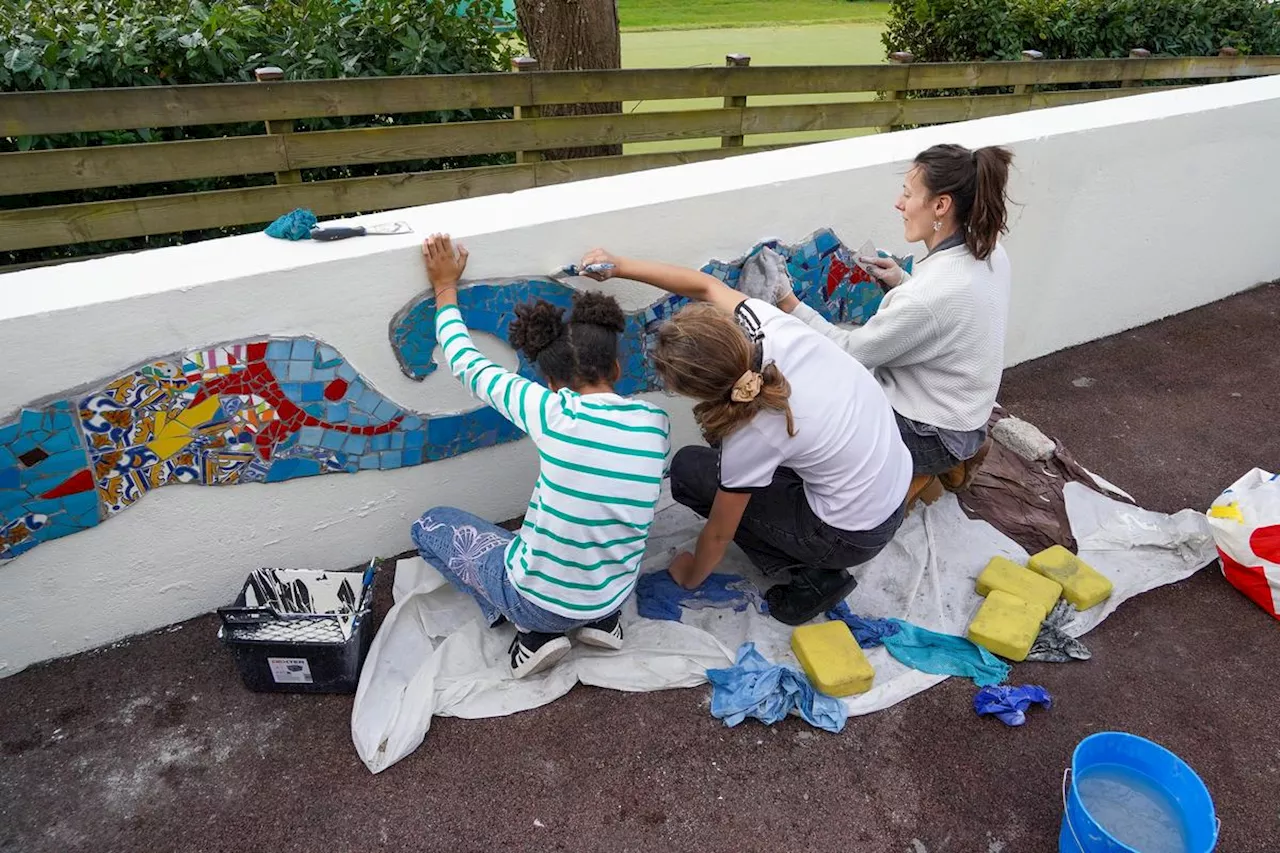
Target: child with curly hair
column 601, row 462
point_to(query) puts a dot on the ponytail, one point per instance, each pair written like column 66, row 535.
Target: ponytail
column 977, row 183
column 703, row 354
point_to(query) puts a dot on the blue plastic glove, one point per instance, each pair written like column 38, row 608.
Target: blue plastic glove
column 753, row 687
column 1009, row 702
column 867, row 632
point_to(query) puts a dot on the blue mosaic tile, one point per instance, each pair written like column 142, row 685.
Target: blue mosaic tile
column 369, row 462
column 31, row 420
column 312, row 392
column 288, row 469
column 279, row 350
column 310, row 436
column 380, row 442
column 386, row 410
column 369, row 402
column 299, row 371
column 355, row 443
column 303, row 350
column 333, row 440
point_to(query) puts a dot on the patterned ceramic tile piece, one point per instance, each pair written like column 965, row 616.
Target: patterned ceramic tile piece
column 270, row 410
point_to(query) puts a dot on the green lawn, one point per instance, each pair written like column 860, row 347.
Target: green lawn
column 835, row 44
column 704, row 14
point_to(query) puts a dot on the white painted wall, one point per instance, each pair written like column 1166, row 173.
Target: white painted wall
column 1130, row 210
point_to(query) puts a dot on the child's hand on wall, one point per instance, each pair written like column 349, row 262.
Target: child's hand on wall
column 605, row 265
column 445, row 266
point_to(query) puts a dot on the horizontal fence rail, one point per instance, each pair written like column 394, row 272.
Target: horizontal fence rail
column 284, row 151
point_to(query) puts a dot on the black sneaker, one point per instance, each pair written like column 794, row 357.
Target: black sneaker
column 604, row 633
column 810, row 593
column 532, row 652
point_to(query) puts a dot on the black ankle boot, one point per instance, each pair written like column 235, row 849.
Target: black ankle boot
column 810, row 593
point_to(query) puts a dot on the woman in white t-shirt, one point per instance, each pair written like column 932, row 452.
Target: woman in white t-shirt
column 806, row 471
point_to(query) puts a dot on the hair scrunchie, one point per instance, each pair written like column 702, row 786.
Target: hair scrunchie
column 747, row 388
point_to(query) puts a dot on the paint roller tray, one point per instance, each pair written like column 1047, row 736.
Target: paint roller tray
column 300, row 631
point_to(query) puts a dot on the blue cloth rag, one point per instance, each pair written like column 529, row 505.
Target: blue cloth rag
column 294, row 225
column 867, row 632
column 658, row 596
column 753, row 687
column 944, row 654
column 1009, row 702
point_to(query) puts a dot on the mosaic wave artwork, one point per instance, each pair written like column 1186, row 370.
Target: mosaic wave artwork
column 822, row 272
column 275, row 409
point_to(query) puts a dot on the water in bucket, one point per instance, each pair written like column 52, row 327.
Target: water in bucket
column 1133, row 810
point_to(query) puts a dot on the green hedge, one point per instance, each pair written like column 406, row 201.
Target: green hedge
column 968, row 30
column 74, row 44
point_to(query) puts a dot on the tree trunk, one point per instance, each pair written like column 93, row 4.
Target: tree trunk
column 573, row 35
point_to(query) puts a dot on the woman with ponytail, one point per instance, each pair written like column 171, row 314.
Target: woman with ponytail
column 601, row 462
column 806, row 471
column 936, row 345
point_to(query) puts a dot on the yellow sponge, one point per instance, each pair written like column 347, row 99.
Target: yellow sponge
column 1081, row 585
column 1006, row 625
column 1008, row 576
column 832, row 659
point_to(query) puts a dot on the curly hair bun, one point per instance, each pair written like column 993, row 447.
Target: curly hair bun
column 597, row 309
column 537, row 326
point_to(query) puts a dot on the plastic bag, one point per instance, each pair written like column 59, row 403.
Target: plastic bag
column 1246, row 528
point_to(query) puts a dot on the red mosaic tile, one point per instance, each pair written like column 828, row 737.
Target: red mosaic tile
column 335, row 390
column 81, row 481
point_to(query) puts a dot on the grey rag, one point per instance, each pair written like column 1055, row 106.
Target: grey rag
column 764, row 276
column 1054, row 645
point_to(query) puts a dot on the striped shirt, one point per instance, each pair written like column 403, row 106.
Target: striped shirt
column 602, row 458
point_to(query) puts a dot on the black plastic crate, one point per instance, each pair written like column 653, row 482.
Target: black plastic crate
column 299, row 653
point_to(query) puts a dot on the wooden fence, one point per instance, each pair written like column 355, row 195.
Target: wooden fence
column 993, row 88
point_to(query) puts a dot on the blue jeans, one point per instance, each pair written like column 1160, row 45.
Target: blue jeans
column 469, row 551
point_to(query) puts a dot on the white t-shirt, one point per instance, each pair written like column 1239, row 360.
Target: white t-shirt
column 846, row 449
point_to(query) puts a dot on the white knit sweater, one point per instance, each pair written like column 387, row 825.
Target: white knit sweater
column 937, row 343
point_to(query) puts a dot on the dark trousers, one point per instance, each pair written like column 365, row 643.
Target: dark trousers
column 778, row 529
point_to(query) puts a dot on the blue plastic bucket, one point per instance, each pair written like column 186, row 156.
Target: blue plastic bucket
column 1153, row 764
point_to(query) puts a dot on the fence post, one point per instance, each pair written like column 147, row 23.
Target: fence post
column 901, row 57
column 1227, row 52
column 1129, row 81
column 734, row 60
column 1028, row 56
column 521, row 65
column 279, row 126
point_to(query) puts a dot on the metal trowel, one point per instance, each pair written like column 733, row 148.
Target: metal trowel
column 342, row 232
